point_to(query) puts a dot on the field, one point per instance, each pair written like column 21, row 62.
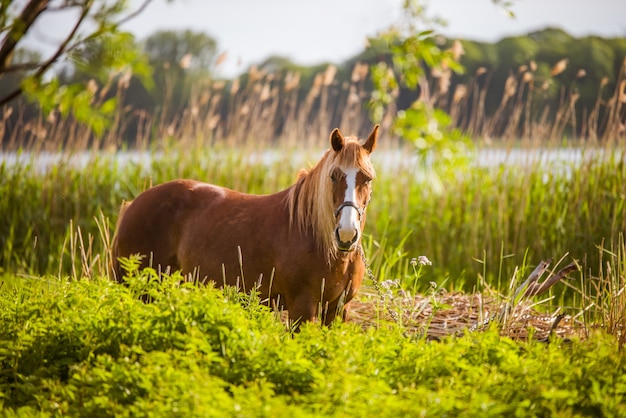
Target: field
column 494, row 247
column 464, row 341
column 496, row 283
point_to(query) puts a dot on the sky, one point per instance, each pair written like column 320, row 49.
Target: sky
column 310, row 32
column 313, row 31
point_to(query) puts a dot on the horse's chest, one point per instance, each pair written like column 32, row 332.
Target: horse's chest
column 349, row 276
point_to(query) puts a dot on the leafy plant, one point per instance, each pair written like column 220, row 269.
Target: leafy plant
column 94, row 42
column 414, row 53
column 92, row 347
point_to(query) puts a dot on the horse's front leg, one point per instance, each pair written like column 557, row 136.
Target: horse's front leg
column 333, row 310
column 302, row 309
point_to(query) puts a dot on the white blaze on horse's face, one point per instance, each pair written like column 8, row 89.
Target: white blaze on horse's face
column 349, row 216
column 351, row 193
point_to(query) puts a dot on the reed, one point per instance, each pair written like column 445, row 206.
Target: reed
column 533, row 212
column 528, row 109
column 264, row 107
column 532, row 208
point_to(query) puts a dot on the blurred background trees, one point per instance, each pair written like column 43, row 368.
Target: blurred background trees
column 545, row 84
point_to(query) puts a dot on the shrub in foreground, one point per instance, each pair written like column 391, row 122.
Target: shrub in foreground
column 93, row 348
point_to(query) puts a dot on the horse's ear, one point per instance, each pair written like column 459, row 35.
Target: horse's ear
column 370, row 144
column 336, row 140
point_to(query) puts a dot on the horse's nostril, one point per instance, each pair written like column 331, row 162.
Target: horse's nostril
column 346, row 235
column 346, row 238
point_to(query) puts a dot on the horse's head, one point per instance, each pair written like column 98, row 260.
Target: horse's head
column 350, row 175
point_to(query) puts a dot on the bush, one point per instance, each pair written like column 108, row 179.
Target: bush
column 93, row 348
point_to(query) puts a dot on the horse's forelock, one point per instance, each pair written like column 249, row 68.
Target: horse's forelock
column 353, row 155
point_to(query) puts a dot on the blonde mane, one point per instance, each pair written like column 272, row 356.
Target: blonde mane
column 310, row 200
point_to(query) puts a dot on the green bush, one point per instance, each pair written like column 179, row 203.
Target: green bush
column 93, row 348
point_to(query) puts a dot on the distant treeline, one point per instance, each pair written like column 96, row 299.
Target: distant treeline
column 543, row 85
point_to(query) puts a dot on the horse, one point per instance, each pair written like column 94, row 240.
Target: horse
column 300, row 248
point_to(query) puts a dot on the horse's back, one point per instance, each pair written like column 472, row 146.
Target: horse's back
column 151, row 224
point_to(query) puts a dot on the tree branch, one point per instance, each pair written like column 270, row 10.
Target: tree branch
column 19, row 28
column 60, row 50
column 135, row 13
column 24, row 22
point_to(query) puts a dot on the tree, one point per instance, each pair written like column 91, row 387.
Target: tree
column 94, row 41
column 180, row 59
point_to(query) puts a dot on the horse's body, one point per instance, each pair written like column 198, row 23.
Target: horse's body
column 300, row 247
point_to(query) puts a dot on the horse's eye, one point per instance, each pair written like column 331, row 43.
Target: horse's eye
column 335, row 176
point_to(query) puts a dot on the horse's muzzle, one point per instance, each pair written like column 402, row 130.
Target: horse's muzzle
column 346, row 240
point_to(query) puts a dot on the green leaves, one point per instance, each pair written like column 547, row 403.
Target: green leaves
column 414, row 53
column 99, row 51
column 91, row 348
column 112, row 54
column 386, row 84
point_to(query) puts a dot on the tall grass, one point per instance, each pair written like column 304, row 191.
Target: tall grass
column 461, row 219
column 532, row 109
column 43, row 206
column 471, row 221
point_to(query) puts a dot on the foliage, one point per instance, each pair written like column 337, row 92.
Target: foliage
column 543, row 84
column 93, row 42
column 180, row 59
column 92, row 347
column 172, row 47
column 413, row 53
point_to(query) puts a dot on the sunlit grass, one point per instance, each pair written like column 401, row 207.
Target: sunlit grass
column 93, row 347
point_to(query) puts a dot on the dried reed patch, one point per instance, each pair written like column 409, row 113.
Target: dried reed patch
column 449, row 314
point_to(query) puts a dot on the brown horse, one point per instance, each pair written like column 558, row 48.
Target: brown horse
column 300, row 247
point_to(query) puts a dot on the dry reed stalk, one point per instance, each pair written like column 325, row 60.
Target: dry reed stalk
column 351, row 116
column 476, row 119
column 459, row 102
column 323, row 119
column 289, row 113
column 517, row 106
column 444, row 314
column 559, row 67
column 455, row 313
column 491, row 126
column 528, row 79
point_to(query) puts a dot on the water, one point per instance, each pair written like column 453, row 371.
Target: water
column 555, row 158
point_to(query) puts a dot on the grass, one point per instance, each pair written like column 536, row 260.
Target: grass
column 91, row 347
column 472, row 220
column 481, row 226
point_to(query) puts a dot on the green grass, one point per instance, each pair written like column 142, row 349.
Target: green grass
column 468, row 220
column 92, row 348
column 480, row 226
column 72, row 343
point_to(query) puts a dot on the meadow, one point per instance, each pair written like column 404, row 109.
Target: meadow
column 461, row 336
column 73, row 343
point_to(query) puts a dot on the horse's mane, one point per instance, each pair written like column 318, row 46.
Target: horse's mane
column 310, row 200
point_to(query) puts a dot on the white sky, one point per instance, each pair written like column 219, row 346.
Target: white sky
column 313, row 31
